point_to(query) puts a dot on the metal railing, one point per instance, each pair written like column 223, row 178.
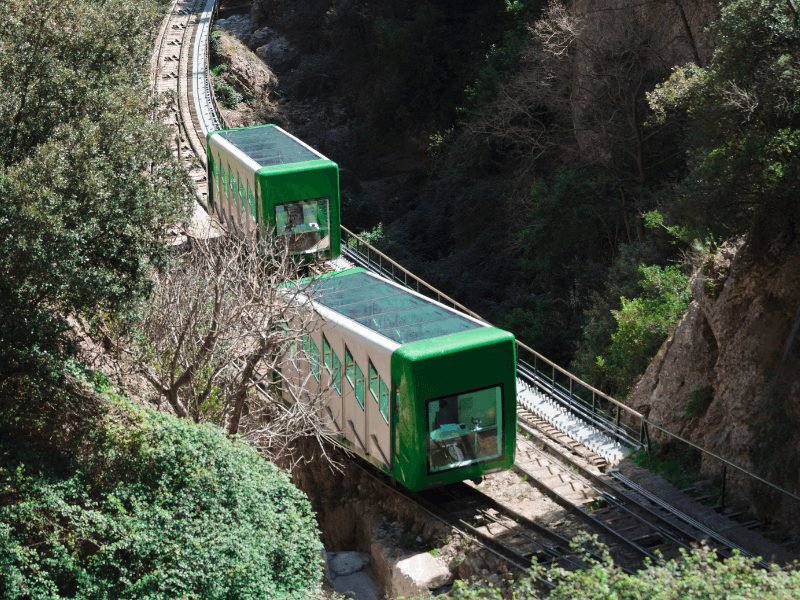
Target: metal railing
column 537, row 371
column 606, row 413
column 362, row 253
column 628, row 426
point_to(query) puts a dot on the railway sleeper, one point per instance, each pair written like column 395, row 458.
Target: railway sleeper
column 650, row 540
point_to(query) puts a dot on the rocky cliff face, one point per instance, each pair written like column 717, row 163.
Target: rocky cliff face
column 729, row 377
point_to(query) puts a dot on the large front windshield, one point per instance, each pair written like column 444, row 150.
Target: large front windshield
column 465, row 428
column 304, row 225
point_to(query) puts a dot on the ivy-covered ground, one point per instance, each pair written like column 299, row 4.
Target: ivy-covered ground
column 143, row 504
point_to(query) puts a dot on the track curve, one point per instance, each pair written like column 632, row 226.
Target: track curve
column 181, row 86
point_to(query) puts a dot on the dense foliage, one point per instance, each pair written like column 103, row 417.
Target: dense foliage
column 150, row 506
column 643, row 323
column 743, row 129
column 533, row 215
column 88, row 185
column 98, row 498
column 697, row 574
column 539, row 210
column 553, row 130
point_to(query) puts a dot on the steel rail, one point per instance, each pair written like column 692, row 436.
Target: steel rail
column 352, row 243
column 612, row 493
column 582, row 514
column 205, row 105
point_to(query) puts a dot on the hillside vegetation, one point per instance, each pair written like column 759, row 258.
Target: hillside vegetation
column 142, row 504
column 696, row 574
column 558, row 167
column 100, row 498
column 577, row 153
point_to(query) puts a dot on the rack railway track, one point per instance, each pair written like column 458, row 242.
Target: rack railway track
column 180, row 85
column 627, row 518
column 612, row 504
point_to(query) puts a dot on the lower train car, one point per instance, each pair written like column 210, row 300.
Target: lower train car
column 425, row 393
column 263, row 179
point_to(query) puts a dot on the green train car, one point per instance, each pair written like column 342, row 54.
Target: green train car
column 263, row 179
column 425, row 393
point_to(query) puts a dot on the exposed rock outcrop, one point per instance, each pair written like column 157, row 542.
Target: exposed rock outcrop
column 249, row 75
column 729, row 377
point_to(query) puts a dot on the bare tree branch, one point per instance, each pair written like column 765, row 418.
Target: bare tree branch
column 216, row 334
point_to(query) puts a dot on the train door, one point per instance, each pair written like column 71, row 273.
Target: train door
column 354, row 388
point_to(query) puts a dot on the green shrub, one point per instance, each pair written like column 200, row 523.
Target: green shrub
column 698, row 573
column 226, row 94
column 153, row 506
column 643, row 323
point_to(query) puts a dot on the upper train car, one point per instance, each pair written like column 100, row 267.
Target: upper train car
column 425, row 393
column 264, row 179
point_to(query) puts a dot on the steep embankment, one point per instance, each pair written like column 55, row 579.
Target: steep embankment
column 729, row 377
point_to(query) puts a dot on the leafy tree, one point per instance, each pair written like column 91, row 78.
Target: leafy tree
column 743, row 121
column 58, row 60
column 566, row 243
column 643, row 323
column 88, row 186
column 622, row 280
column 148, row 505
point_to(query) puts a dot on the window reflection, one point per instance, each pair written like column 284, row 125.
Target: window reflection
column 465, row 428
column 304, row 225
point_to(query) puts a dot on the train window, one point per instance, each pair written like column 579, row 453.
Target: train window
column 327, row 359
column 373, row 381
column 313, row 358
column 360, row 386
column 349, row 367
column 292, row 349
column 231, row 189
column 240, row 188
column 383, row 403
column 305, row 224
column 337, row 374
column 465, row 428
column 251, row 199
column 216, row 172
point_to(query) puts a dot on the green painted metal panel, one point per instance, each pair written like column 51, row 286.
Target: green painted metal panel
column 446, row 366
column 284, row 184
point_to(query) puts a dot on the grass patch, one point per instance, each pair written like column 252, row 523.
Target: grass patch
column 680, row 465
